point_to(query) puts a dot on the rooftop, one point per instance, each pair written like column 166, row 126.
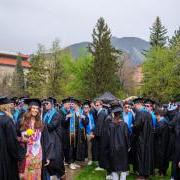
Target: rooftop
column 10, row 59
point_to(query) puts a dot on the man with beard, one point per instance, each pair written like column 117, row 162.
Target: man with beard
column 144, row 140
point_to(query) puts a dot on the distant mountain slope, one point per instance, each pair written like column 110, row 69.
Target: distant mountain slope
column 132, row 45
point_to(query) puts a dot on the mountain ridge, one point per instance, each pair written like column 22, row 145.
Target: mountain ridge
column 133, row 46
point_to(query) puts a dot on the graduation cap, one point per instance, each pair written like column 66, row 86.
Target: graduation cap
column 22, row 99
column 87, row 102
column 14, row 100
column 149, row 101
column 4, row 100
column 66, row 100
column 74, row 100
column 138, row 100
column 117, row 109
column 33, row 102
column 51, row 100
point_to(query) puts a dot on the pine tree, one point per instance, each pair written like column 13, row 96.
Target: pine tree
column 158, row 32
column 18, row 80
column 175, row 40
column 36, row 77
column 101, row 75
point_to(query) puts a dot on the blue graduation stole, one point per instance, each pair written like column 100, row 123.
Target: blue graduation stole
column 2, row 113
column 48, row 116
column 80, row 112
column 129, row 122
column 142, row 109
column 154, row 121
column 16, row 114
column 91, row 121
column 72, row 122
column 63, row 110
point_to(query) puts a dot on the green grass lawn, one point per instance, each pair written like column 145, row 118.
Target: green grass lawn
column 88, row 173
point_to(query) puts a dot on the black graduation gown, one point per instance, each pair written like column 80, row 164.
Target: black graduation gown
column 177, row 148
column 56, row 166
column 101, row 138
column 171, row 147
column 104, row 161
column 8, row 149
column 161, row 146
column 81, row 153
column 47, row 151
column 144, row 143
column 119, row 143
column 74, row 150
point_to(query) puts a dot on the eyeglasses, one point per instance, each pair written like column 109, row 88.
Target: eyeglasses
column 147, row 106
column 97, row 105
column 126, row 107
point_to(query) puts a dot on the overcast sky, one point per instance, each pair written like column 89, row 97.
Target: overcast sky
column 25, row 23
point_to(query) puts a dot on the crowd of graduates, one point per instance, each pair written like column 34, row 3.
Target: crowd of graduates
column 38, row 138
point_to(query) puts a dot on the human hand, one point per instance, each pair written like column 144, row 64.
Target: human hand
column 68, row 115
column 47, row 162
column 179, row 164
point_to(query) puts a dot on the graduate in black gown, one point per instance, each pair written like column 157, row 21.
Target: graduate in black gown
column 100, row 135
column 161, row 142
column 8, row 143
column 52, row 119
column 119, row 144
column 144, row 140
column 74, row 138
column 65, row 116
column 176, row 161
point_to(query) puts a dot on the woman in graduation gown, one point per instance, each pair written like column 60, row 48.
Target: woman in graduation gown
column 36, row 140
column 8, row 143
column 119, row 144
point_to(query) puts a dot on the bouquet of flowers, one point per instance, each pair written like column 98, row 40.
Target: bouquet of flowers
column 29, row 132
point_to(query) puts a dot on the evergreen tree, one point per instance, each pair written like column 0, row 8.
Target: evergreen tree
column 175, row 40
column 101, row 74
column 158, row 32
column 18, row 80
column 36, row 77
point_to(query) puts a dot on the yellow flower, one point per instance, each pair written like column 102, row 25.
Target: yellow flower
column 29, row 132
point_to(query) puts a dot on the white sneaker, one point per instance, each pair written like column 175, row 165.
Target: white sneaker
column 109, row 177
column 65, row 164
column 76, row 165
column 71, row 166
column 99, row 169
column 89, row 163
